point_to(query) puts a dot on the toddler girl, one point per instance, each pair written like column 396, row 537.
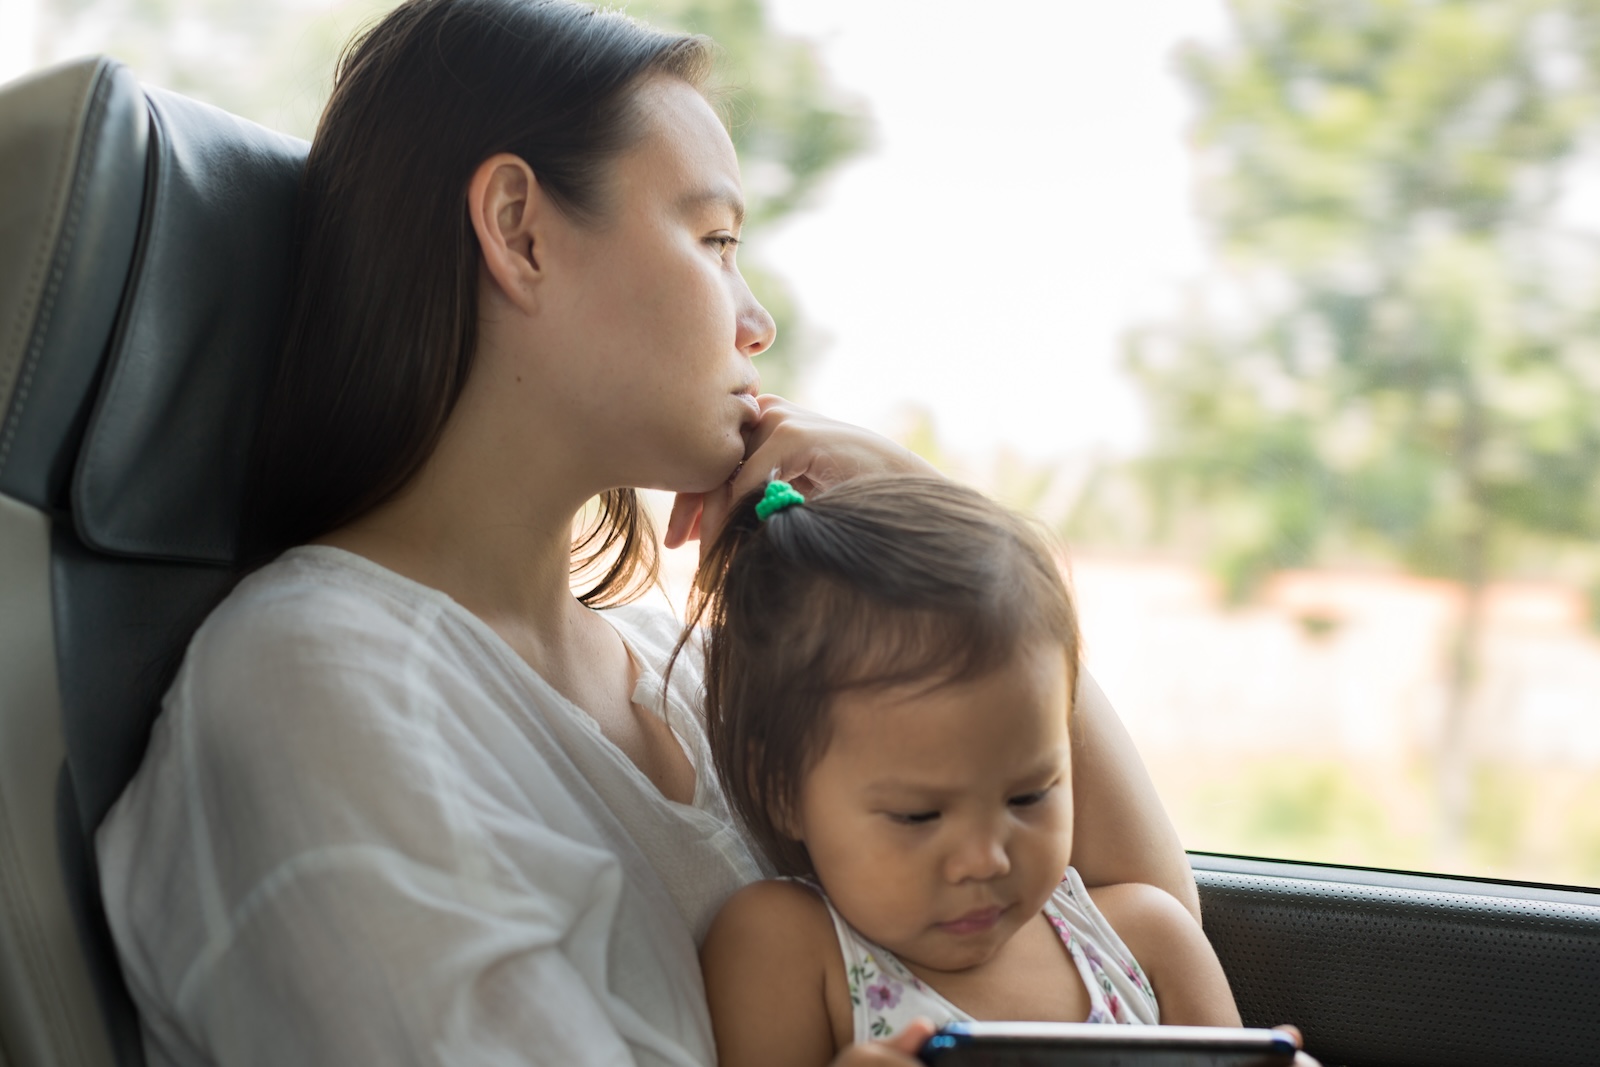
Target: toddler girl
column 890, row 669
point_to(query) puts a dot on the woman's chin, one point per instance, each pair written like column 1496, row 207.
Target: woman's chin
column 704, row 477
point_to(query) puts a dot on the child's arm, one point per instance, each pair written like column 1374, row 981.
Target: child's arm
column 1183, row 969
column 768, row 961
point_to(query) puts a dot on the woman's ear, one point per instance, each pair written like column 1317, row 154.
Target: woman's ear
column 507, row 209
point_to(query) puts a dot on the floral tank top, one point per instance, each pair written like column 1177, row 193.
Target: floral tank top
column 885, row 996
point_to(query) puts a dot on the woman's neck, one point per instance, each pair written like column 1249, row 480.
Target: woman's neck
column 492, row 533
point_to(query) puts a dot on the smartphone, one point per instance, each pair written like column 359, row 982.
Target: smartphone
column 978, row 1044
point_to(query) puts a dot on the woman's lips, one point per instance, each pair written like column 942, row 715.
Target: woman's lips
column 749, row 399
column 974, row 922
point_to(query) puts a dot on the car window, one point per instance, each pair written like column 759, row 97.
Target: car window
column 1282, row 315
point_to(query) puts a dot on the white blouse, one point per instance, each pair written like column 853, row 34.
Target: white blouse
column 367, row 832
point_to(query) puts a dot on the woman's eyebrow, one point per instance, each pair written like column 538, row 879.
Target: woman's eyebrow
column 723, row 196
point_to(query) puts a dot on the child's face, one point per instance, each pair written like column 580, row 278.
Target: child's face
column 939, row 823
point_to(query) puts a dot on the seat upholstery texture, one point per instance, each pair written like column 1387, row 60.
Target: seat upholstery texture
column 139, row 329
column 1411, row 974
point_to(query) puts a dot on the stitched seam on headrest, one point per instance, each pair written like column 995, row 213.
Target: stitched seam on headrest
column 83, row 149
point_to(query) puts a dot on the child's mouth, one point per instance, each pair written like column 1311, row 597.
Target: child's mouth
column 974, row 922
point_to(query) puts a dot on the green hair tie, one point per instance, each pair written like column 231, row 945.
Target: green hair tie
column 779, row 495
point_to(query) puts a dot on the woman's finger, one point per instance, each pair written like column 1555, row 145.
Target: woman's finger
column 714, row 508
column 813, row 452
column 800, row 447
column 683, row 525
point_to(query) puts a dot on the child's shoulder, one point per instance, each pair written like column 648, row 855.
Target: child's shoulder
column 772, row 913
column 774, row 976
column 1173, row 952
column 1139, row 904
column 1146, row 917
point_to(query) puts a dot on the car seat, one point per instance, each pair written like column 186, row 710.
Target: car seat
column 144, row 258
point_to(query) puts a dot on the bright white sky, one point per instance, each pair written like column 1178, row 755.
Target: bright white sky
column 1028, row 198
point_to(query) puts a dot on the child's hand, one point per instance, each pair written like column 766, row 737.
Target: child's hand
column 1300, row 1058
column 899, row 1050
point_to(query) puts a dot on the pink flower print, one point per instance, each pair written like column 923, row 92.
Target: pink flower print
column 1115, row 1005
column 883, row 995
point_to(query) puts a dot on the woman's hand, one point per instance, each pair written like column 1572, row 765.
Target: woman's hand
column 899, row 1051
column 801, row 447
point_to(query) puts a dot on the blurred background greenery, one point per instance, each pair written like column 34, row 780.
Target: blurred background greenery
column 1403, row 362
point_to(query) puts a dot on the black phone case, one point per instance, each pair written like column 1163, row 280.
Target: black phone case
column 1083, row 1045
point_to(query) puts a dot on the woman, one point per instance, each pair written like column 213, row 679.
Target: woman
column 410, row 800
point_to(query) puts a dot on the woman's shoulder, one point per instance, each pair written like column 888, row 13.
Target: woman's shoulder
column 312, row 594
column 327, row 579
column 648, row 624
column 317, row 625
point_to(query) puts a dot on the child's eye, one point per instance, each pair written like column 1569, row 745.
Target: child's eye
column 1028, row 800
column 913, row 818
column 723, row 243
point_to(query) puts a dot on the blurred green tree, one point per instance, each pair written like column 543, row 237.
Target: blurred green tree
column 1404, row 355
column 272, row 61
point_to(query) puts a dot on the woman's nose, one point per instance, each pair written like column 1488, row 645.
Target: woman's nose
column 979, row 857
column 756, row 330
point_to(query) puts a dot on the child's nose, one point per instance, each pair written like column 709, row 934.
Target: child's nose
column 979, row 857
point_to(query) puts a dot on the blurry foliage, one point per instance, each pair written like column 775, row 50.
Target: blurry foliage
column 1407, row 353
column 1526, row 821
column 1300, row 810
column 1405, row 359
column 1584, row 836
column 1497, row 816
column 272, row 61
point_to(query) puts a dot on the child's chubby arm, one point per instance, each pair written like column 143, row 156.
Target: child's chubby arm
column 776, row 985
column 1182, row 966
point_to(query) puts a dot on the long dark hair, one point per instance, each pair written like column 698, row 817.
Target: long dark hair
column 382, row 325
column 879, row 582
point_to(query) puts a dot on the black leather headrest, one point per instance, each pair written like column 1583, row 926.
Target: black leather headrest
column 72, row 178
column 161, row 471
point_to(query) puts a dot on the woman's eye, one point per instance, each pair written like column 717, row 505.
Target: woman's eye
column 723, row 243
column 914, row 818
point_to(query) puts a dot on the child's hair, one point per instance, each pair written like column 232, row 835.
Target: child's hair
column 878, row 582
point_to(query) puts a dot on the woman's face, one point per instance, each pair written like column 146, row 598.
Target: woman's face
column 649, row 325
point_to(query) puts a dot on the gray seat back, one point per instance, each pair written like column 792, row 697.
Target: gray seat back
column 144, row 259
